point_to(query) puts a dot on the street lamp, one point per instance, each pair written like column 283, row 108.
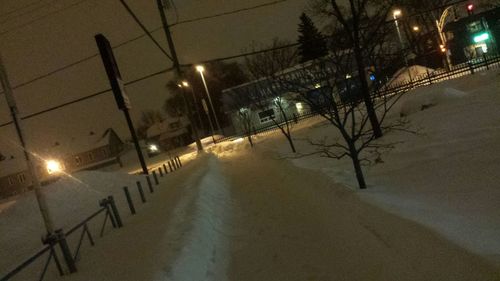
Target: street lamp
column 396, row 14
column 201, row 69
column 185, row 84
column 416, row 28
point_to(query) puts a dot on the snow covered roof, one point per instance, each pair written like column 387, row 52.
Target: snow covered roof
column 54, row 148
column 167, row 127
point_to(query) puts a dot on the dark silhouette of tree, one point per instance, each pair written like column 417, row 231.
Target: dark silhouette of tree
column 312, row 43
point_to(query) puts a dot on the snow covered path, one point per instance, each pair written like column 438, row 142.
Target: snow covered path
column 252, row 217
column 294, row 224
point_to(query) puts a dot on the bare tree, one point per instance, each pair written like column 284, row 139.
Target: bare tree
column 241, row 103
column 148, row 118
column 360, row 22
column 265, row 96
column 332, row 89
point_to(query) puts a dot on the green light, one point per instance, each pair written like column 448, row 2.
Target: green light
column 481, row 37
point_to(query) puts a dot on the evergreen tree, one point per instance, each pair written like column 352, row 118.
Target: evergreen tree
column 312, row 43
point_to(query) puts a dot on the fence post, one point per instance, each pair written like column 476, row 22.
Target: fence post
column 428, row 76
column 129, row 200
column 175, row 163
column 141, row 192
column 155, row 177
column 471, row 67
column 63, row 244
column 179, row 159
column 148, row 179
column 170, row 166
column 160, row 171
column 111, row 201
column 486, row 61
column 165, row 168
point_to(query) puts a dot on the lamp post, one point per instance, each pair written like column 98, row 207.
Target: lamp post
column 395, row 14
column 201, row 69
column 185, row 84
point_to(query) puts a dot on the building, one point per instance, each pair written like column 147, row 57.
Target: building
column 473, row 36
column 169, row 135
column 290, row 94
column 81, row 153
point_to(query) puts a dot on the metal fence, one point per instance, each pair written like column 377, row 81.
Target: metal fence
column 68, row 244
column 485, row 63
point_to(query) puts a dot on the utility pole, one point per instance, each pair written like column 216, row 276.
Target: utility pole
column 40, row 196
column 178, row 71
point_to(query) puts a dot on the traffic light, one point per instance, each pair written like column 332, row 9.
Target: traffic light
column 470, row 9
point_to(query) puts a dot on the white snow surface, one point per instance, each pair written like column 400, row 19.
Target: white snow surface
column 261, row 213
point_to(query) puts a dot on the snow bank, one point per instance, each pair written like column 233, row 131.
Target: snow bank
column 70, row 200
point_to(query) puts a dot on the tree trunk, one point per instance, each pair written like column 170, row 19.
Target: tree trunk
column 250, row 139
column 290, row 141
column 357, row 166
column 365, row 91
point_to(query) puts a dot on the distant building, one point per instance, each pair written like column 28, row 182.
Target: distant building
column 91, row 151
column 470, row 37
column 170, row 135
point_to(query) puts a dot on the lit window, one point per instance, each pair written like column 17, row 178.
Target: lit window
column 266, row 115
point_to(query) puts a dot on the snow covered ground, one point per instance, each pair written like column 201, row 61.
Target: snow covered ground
column 241, row 213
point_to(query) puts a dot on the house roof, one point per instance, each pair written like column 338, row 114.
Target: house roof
column 53, row 148
column 161, row 129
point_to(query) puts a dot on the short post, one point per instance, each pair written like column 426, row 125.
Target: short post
column 170, row 166
column 429, row 76
column 141, row 192
column 160, row 171
column 179, row 159
column 176, row 165
column 115, row 211
column 486, row 61
column 471, row 67
column 155, row 177
column 129, row 200
column 63, row 244
column 165, row 168
column 148, row 179
column 105, row 203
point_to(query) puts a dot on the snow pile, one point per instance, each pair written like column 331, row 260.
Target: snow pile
column 444, row 176
column 70, row 200
column 407, row 74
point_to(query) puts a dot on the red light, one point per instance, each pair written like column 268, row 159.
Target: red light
column 470, row 7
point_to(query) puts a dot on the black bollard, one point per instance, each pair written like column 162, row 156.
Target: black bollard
column 170, row 166
column 155, row 177
column 165, row 168
column 148, row 179
column 141, row 192
column 160, row 171
column 179, row 159
column 129, row 200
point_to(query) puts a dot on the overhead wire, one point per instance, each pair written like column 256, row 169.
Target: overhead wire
column 42, row 17
column 138, row 21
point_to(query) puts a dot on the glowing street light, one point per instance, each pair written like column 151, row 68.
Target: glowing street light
column 53, row 167
column 416, row 28
column 396, row 14
column 201, row 69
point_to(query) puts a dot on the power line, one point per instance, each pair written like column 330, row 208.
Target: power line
column 96, row 94
column 20, row 8
column 42, row 17
column 29, row 11
column 229, row 13
column 138, row 21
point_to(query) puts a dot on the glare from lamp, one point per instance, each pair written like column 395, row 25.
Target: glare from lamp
column 396, row 13
column 53, row 167
column 200, row 68
column 185, row 83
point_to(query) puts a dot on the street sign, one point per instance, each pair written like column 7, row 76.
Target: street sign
column 113, row 72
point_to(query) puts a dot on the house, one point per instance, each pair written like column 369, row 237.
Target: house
column 473, row 36
column 272, row 99
column 81, row 153
column 170, row 134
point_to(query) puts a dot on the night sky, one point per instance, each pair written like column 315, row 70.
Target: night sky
column 53, row 33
